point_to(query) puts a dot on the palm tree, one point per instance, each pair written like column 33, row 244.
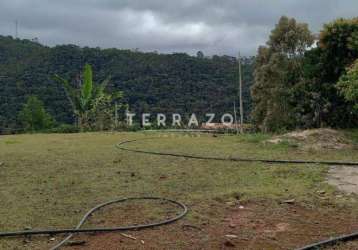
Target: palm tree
column 89, row 101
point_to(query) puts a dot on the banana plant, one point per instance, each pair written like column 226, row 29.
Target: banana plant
column 88, row 98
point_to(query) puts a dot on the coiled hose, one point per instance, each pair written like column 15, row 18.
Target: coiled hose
column 78, row 229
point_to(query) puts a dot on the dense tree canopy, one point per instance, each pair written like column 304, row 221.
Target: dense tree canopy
column 320, row 103
column 296, row 83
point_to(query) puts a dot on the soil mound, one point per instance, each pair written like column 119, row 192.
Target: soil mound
column 323, row 138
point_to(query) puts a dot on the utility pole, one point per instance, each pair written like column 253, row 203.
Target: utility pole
column 240, row 97
column 116, row 115
column 235, row 118
column 16, row 29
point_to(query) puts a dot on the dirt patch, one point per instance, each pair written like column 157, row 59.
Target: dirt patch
column 254, row 225
column 287, row 226
column 324, row 138
column 344, row 178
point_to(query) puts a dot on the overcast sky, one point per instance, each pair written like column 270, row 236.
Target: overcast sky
column 212, row 26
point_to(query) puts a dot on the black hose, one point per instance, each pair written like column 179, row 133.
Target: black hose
column 78, row 229
column 331, row 242
column 315, row 246
column 121, row 147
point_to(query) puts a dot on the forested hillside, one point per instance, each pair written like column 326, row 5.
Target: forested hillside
column 151, row 82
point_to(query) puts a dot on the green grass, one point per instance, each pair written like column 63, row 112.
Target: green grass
column 50, row 180
column 246, row 146
column 353, row 134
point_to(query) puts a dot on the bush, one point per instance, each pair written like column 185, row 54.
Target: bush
column 65, row 129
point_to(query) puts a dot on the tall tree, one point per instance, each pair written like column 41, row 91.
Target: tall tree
column 33, row 115
column 278, row 68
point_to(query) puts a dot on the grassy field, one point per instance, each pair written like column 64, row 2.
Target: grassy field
column 51, row 180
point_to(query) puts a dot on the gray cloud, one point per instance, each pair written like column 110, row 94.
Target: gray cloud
column 213, row 26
